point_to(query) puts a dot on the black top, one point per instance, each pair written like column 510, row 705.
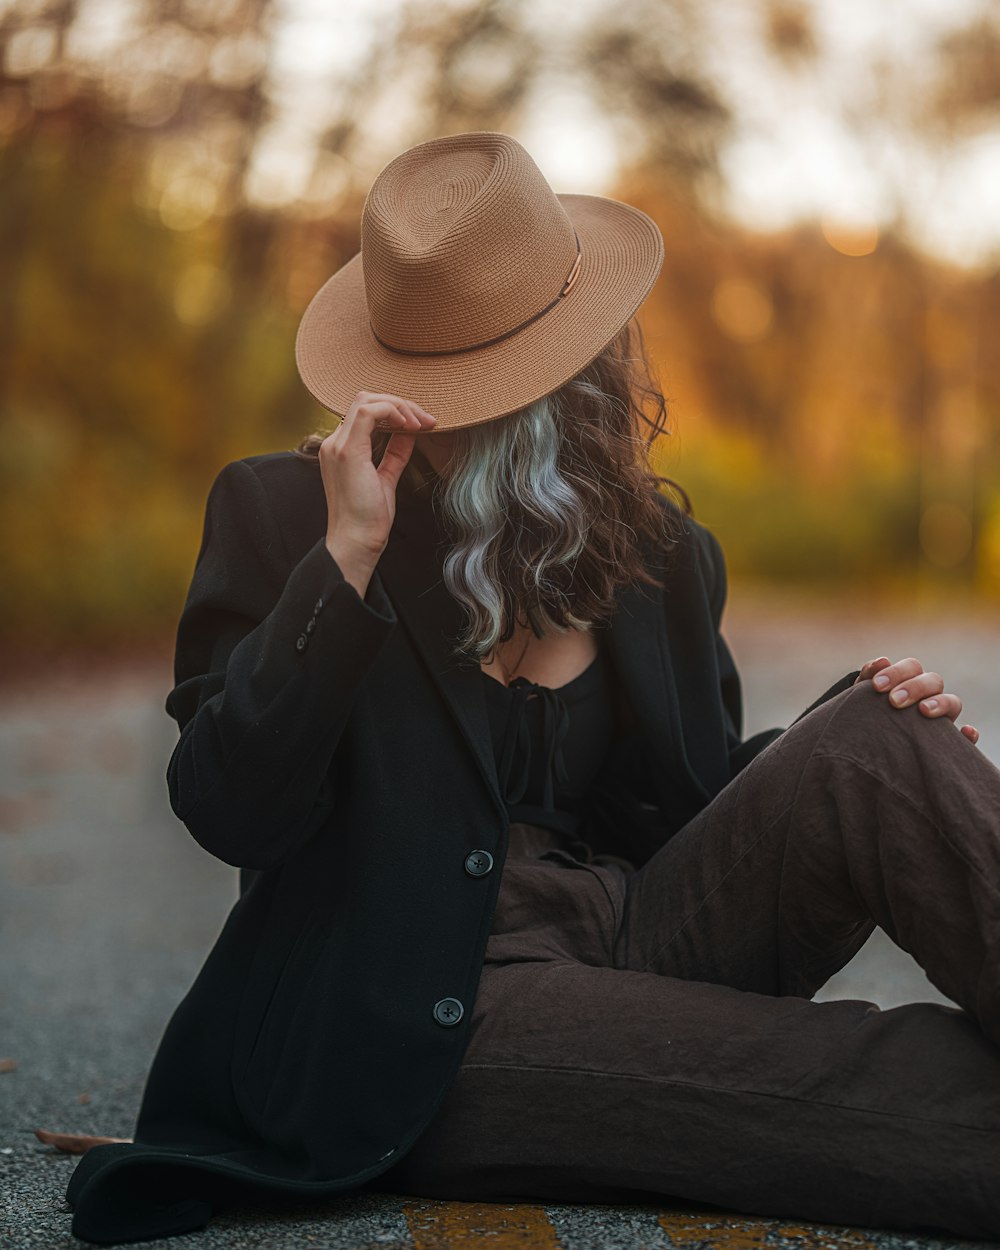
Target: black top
column 551, row 742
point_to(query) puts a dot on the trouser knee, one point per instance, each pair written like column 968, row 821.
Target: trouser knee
column 865, row 723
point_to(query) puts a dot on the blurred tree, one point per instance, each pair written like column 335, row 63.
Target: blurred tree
column 150, row 302
column 483, row 64
column 151, row 295
column 135, row 335
column 966, row 94
column 790, row 33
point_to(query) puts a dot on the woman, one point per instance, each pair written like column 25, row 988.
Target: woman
column 521, row 915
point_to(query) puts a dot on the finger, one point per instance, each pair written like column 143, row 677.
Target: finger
column 971, row 733
column 329, row 443
column 370, row 409
column 402, row 400
column 379, row 412
column 925, row 686
column 353, row 437
column 949, row 705
column 395, row 458
column 427, row 420
column 419, row 417
column 902, row 670
column 871, row 667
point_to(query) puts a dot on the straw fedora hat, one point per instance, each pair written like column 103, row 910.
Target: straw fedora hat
column 477, row 289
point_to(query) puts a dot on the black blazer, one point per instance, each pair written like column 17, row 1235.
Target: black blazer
column 335, row 750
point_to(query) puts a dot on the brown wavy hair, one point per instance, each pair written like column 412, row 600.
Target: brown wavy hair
column 553, row 550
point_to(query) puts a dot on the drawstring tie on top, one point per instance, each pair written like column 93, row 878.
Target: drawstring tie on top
column 515, row 757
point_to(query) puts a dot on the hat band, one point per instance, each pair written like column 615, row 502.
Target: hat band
column 567, row 286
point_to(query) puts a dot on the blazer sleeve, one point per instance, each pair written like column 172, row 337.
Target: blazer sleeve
column 742, row 752
column 267, row 667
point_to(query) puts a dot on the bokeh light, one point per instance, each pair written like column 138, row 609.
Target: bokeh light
column 946, row 534
column 742, row 309
column 850, row 240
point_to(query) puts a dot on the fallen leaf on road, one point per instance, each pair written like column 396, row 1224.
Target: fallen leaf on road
column 75, row 1143
column 8, row 1065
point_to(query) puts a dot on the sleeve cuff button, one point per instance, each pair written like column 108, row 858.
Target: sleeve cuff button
column 300, row 642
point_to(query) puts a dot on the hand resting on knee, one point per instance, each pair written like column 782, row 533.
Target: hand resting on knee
column 905, row 682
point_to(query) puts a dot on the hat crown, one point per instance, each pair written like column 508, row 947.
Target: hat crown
column 462, row 242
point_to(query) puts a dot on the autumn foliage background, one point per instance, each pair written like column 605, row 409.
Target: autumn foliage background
column 834, row 388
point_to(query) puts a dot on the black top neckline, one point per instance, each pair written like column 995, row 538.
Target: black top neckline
column 526, row 681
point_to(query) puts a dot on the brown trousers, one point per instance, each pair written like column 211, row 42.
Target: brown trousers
column 651, row 1033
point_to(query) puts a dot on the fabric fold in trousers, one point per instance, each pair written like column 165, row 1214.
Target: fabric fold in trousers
column 651, row 1033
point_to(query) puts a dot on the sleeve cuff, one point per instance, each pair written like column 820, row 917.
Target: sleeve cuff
column 316, row 583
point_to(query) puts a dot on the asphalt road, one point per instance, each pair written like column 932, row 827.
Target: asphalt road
column 107, row 908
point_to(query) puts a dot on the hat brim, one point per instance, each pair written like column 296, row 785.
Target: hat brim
column 338, row 355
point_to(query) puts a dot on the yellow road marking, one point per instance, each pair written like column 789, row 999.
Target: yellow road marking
column 479, row 1226
column 687, row 1230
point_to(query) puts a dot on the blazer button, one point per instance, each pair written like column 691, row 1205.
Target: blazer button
column 479, row 863
column 318, row 606
column 301, row 642
column 448, row 1011
column 310, row 624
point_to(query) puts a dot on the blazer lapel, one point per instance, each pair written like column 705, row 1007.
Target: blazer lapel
column 411, row 571
column 641, row 651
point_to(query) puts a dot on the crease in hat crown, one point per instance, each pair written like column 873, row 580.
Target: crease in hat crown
column 463, row 242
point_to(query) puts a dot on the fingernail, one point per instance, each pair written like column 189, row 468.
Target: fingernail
column 899, row 696
column 929, row 704
column 881, row 682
